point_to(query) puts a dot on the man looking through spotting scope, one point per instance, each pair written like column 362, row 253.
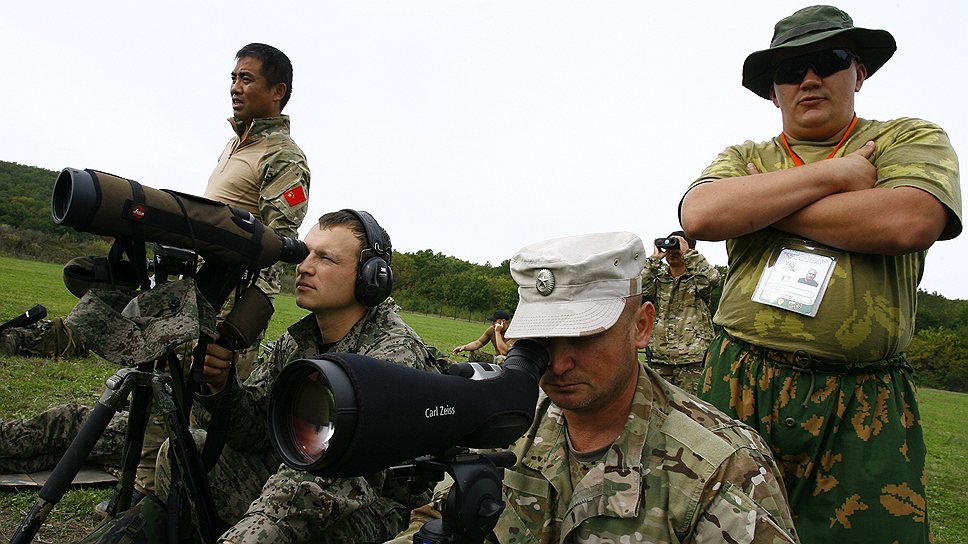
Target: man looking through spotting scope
column 681, row 289
column 615, row 452
column 344, row 283
column 820, row 369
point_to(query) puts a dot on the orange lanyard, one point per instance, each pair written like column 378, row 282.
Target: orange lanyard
column 796, row 158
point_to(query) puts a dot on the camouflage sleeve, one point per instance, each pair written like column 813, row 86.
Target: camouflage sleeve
column 296, row 506
column 283, row 202
column 421, row 515
column 731, row 163
column 919, row 154
column 400, row 349
column 653, row 269
column 705, row 275
column 249, row 401
column 744, row 501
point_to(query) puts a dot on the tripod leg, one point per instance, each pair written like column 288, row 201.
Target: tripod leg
column 65, row 471
column 134, row 442
column 189, row 463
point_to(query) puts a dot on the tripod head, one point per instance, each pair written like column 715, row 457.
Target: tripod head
column 474, row 502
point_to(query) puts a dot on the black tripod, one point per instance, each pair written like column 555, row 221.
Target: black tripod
column 141, row 384
column 161, row 380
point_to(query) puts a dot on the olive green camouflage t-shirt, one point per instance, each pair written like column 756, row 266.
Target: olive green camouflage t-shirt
column 867, row 310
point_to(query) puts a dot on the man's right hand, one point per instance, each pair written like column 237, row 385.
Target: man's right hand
column 218, row 361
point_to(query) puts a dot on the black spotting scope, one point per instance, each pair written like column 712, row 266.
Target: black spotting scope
column 100, row 203
column 350, row 415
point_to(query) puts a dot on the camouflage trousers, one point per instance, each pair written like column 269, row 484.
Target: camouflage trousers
column 46, row 338
column 265, row 503
column 685, row 376
column 37, row 443
column 478, row 356
column 847, row 438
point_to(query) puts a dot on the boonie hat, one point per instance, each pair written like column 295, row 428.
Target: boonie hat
column 575, row 286
column 808, row 27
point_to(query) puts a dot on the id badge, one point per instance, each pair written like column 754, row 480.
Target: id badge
column 796, row 276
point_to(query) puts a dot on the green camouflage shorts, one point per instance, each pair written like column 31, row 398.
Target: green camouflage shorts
column 847, row 438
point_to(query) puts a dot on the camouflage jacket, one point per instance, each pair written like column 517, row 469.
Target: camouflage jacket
column 263, row 171
column 683, row 324
column 291, row 499
column 680, row 472
column 381, row 334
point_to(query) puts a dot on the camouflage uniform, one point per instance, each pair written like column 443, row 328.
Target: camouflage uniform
column 297, row 506
column 680, row 472
column 832, row 394
column 38, row 443
column 683, row 326
column 263, row 171
column 46, row 338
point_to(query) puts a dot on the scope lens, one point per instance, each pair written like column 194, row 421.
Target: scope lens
column 312, row 417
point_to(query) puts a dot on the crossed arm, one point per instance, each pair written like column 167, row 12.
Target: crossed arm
column 832, row 201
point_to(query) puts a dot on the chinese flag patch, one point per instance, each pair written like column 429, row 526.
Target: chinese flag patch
column 295, row 195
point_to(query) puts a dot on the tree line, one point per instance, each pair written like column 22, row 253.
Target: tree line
column 431, row 282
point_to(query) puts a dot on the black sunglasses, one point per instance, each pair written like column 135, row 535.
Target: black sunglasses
column 824, row 63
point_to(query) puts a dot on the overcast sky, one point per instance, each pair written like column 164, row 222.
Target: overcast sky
column 470, row 128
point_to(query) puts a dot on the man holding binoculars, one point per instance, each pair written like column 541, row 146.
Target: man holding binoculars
column 681, row 289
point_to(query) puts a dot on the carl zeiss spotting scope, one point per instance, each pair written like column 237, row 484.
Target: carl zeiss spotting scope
column 350, row 415
column 100, row 203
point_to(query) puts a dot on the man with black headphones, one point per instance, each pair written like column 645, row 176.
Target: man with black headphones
column 345, row 282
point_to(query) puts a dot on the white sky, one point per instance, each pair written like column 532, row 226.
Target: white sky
column 471, row 128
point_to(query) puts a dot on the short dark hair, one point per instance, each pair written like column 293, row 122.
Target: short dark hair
column 689, row 241
column 276, row 67
column 349, row 220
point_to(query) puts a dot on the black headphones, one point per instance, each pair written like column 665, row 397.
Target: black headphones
column 374, row 278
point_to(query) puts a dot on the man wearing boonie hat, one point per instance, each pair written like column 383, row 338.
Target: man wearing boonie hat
column 820, row 371
column 615, row 452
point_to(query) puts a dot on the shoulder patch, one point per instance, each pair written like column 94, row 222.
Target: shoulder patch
column 296, row 195
column 700, row 440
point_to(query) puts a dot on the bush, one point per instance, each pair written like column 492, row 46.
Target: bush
column 940, row 359
column 41, row 246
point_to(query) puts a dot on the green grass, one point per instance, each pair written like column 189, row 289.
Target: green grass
column 943, row 415
column 31, row 385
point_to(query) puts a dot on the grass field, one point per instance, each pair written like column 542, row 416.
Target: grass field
column 30, row 385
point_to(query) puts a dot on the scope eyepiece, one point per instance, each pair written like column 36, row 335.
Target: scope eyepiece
column 293, row 251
